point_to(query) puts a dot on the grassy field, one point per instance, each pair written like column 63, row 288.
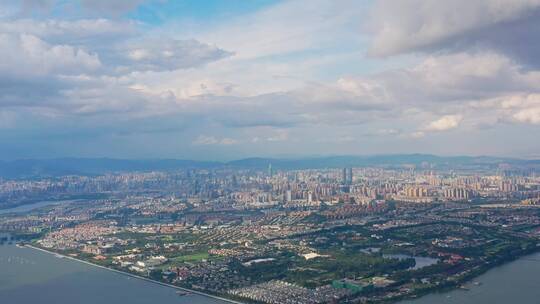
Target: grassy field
column 196, row 257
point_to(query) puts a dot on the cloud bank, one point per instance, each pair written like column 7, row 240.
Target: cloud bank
column 286, row 78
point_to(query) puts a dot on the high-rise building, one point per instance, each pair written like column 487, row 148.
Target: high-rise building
column 416, row 192
column 507, row 186
column 288, row 196
column 344, row 176
column 349, row 176
column 270, row 173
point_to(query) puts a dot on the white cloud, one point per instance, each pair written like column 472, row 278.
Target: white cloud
column 79, row 30
column 289, row 71
column 417, row 134
column 444, row 123
column 169, row 54
column 446, row 85
column 120, row 45
column 523, row 108
column 28, row 54
column 528, row 116
column 139, row 54
column 279, row 135
column 203, row 140
column 384, row 132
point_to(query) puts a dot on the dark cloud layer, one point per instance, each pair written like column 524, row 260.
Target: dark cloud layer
column 509, row 27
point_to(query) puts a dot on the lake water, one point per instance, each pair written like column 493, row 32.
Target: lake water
column 420, row 261
column 515, row 282
column 28, row 276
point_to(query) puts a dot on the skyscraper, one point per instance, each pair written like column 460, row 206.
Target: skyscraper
column 288, row 196
column 346, row 176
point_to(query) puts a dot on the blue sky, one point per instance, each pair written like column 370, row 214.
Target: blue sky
column 159, row 12
column 230, row 79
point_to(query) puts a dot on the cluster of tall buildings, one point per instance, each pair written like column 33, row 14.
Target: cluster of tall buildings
column 416, row 192
column 457, row 193
column 306, row 186
column 508, row 186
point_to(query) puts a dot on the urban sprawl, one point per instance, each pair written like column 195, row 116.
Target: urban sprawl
column 335, row 235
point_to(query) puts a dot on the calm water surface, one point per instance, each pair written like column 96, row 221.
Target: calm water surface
column 517, row 282
column 420, row 261
column 28, row 276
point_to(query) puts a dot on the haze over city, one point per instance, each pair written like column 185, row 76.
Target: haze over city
column 222, row 80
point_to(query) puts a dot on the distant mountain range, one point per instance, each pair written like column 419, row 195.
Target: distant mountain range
column 29, row 168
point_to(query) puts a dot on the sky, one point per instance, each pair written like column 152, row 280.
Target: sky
column 228, row 79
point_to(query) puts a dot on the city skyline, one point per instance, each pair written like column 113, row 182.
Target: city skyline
column 279, row 235
column 220, row 80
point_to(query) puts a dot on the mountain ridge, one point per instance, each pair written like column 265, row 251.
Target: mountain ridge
column 28, row 168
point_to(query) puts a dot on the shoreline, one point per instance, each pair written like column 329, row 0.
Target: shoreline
column 446, row 289
column 200, row 293
column 471, row 277
column 471, row 280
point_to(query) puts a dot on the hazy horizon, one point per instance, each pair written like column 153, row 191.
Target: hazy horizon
column 276, row 157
